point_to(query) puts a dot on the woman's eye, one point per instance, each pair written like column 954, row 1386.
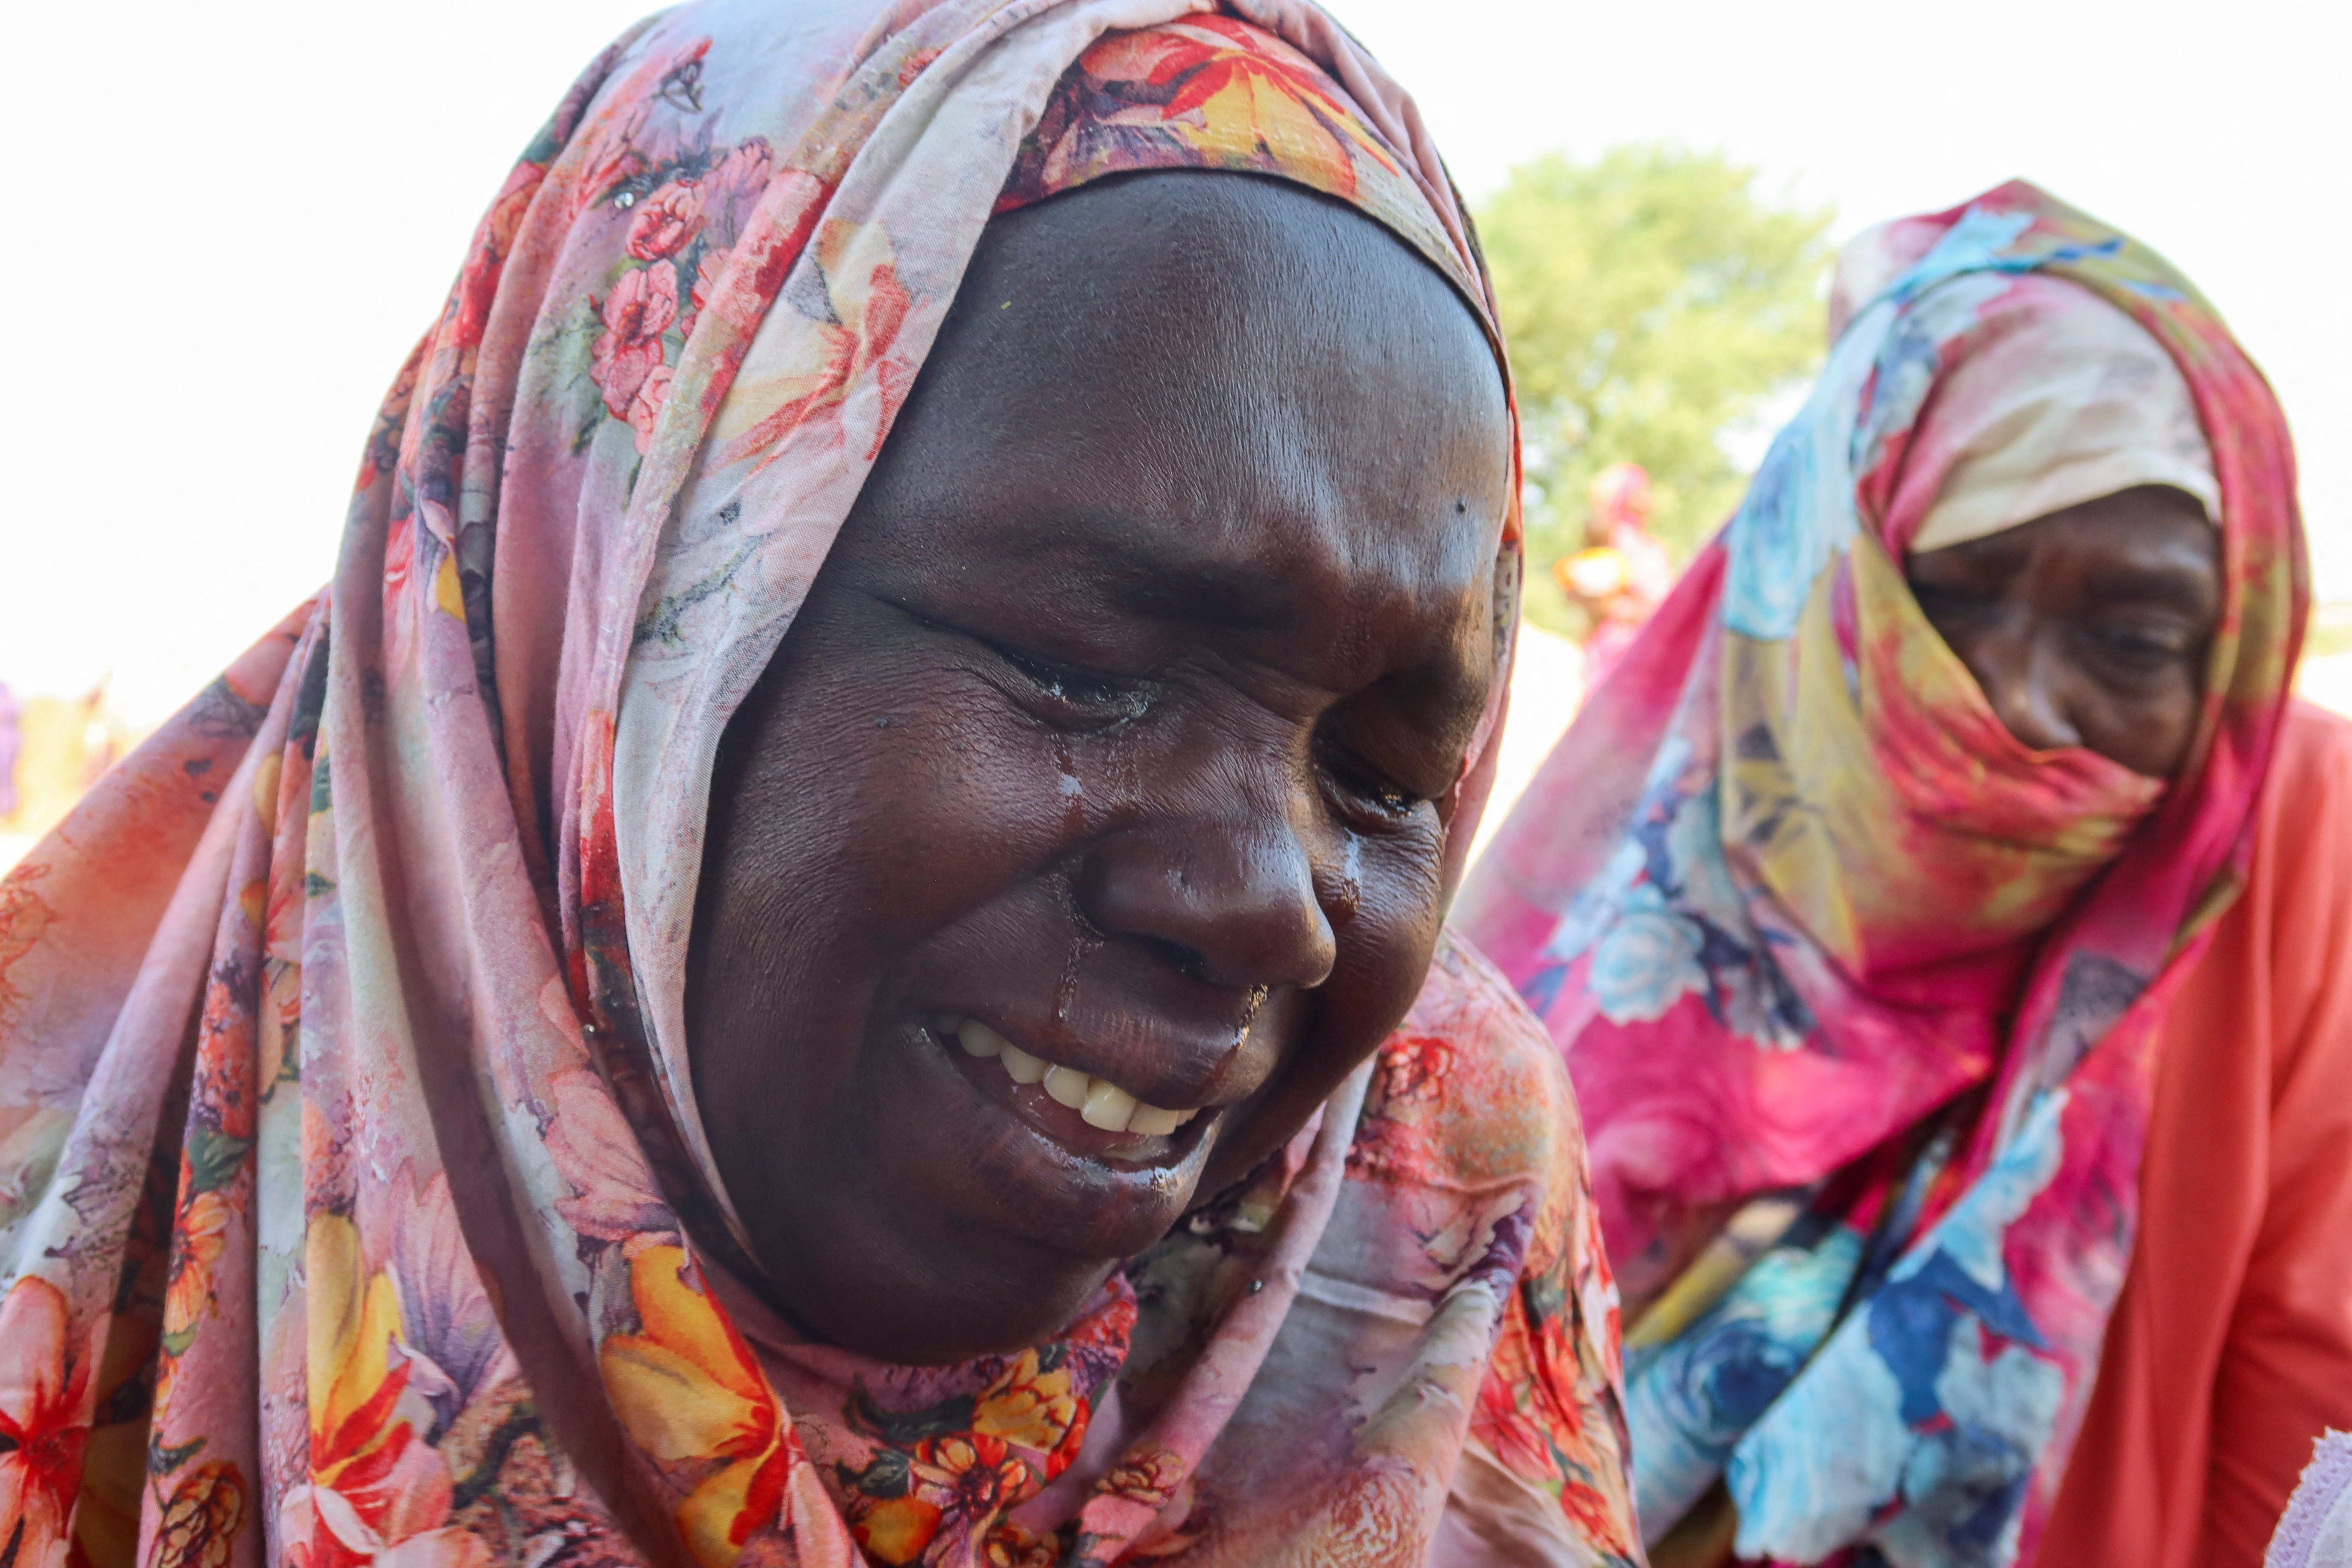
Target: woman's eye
column 1092, row 697
column 1362, row 789
column 2135, row 647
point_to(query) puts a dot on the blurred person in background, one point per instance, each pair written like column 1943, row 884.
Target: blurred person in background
column 827, row 947
column 1623, row 573
column 101, row 735
column 52, row 748
column 1945, row 913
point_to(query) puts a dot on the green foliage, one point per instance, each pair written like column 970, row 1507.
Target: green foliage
column 1653, row 302
column 2330, row 631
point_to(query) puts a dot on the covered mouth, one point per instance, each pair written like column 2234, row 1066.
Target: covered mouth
column 1099, row 1102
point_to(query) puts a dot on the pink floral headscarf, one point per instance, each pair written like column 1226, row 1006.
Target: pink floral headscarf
column 354, row 1207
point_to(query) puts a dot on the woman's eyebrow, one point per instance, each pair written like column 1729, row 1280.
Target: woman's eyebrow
column 2177, row 587
column 1166, row 587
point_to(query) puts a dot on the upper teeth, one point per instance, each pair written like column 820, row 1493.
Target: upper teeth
column 1102, row 1102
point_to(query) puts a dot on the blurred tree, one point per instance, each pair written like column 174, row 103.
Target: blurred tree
column 1654, row 304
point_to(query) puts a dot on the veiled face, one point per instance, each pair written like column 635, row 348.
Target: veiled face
column 2089, row 626
column 1115, row 732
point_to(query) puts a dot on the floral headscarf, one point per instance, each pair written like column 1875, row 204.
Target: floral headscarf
column 353, row 1207
column 1858, row 992
column 2062, row 399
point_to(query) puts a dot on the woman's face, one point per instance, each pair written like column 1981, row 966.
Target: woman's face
column 2089, row 626
column 1113, row 737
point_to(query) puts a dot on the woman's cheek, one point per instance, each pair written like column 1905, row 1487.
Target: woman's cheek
column 1386, row 943
column 1404, row 876
column 968, row 798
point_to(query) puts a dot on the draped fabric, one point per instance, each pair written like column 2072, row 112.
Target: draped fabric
column 2231, row 1342
column 2060, row 400
column 354, row 1205
column 2078, row 404
column 1859, row 993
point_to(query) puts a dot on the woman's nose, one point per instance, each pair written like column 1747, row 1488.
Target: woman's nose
column 1232, row 899
column 2022, row 681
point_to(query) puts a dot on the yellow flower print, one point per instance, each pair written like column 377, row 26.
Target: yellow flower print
column 200, row 1523
column 203, row 1235
column 967, row 1479
column 1149, row 1478
column 896, row 1530
column 1028, row 1407
column 1010, row 1546
column 688, row 1390
column 377, row 1493
column 1242, row 100
column 808, row 398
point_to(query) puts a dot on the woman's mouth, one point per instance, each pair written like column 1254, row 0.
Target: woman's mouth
column 1084, row 1112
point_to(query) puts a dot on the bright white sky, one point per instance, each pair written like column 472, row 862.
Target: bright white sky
column 230, row 221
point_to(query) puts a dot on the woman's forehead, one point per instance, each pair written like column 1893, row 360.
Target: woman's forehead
column 1248, row 569
column 1293, row 417
column 1145, row 282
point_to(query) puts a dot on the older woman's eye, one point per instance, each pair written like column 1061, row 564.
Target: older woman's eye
column 1362, row 790
column 2139, row 650
column 1091, row 698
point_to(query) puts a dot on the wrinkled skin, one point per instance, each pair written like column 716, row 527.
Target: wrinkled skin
column 1123, row 718
column 2088, row 627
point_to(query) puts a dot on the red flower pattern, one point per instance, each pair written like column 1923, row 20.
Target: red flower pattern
column 640, row 309
column 665, row 220
column 42, row 1389
column 646, row 407
column 1413, row 1067
column 707, row 274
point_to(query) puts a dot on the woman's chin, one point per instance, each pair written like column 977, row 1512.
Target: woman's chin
column 974, row 1214
column 931, row 1322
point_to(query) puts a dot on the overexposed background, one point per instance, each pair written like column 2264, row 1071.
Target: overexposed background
column 231, row 222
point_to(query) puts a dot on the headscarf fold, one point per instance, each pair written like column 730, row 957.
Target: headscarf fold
column 1857, row 991
column 2062, row 399
column 344, row 1106
column 2083, row 405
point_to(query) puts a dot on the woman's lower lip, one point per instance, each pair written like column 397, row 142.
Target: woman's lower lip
column 1062, row 1125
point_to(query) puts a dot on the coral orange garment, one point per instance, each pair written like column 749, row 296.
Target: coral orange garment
column 2231, row 1344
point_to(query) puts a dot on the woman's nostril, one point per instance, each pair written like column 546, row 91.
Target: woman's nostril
column 1188, row 962
column 1224, row 909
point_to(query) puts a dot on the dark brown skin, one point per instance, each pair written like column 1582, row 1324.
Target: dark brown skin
column 2088, row 627
column 1122, row 718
